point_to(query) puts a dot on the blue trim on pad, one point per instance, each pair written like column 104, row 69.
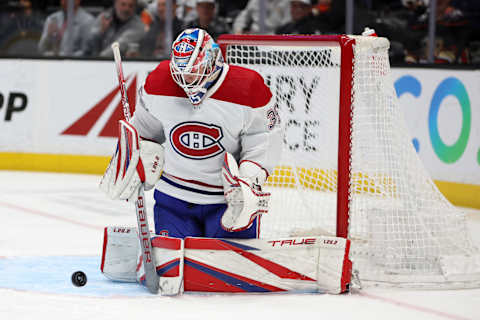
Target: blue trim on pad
column 226, row 278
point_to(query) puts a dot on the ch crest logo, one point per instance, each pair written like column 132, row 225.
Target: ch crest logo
column 183, row 48
column 197, row 140
column 85, row 123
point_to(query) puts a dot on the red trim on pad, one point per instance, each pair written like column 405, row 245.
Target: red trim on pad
column 273, row 267
column 173, row 271
column 347, row 268
column 166, row 243
column 196, row 280
column 105, row 236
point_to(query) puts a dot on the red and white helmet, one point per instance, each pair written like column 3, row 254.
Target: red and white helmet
column 196, row 63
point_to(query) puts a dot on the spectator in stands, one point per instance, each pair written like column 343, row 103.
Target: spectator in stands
column 458, row 23
column 186, row 10
column 119, row 23
column 454, row 29
column 154, row 43
column 331, row 16
column 142, row 4
column 229, row 9
column 471, row 12
column 405, row 23
column 20, row 25
column 57, row 39
column 277, row 13
column 207, row 19
column 302, row 19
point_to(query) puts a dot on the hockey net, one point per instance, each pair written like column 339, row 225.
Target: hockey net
column 348, row 167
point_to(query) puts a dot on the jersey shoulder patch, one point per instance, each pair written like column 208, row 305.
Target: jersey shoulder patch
column 160, row 82
column 245, row 87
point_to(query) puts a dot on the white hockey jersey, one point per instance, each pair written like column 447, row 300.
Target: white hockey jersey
column 237, row 116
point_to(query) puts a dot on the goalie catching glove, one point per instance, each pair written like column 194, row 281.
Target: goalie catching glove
column 243, row 192
column 134, row 162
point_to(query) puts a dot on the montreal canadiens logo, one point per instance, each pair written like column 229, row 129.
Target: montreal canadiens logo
column 184, row 47
column 197, row 140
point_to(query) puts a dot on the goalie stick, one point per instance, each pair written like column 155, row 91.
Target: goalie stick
column 151, row 277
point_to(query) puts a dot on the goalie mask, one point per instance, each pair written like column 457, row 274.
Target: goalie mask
column 196, row 63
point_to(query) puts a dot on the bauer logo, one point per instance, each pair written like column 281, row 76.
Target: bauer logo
column 84, row 124
column 197, row 140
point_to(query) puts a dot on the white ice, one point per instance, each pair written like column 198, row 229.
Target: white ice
column 52, row 225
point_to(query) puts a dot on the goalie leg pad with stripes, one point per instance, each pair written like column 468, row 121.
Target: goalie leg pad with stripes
column 301, row 264
column 304, row 264
column 122, row 259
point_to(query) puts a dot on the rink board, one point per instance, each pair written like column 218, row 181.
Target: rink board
column 67, row 124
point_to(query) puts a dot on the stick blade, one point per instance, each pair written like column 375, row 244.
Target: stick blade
column 152, row 280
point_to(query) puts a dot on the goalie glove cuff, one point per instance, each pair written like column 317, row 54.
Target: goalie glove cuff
column 152, row 156
column 253, row 172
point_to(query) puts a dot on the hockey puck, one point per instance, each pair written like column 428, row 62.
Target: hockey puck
column 79, row 278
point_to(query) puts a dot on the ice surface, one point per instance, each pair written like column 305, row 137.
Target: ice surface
column 52, row 225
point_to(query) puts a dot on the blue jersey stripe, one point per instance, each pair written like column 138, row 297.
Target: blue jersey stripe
column 212, row 193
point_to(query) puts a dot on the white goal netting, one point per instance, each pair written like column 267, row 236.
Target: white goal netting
column 403, row 231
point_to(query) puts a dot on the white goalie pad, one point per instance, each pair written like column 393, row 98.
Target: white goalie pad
column 134, row 162
column 121, row 259
column 169, row 261
column 300, row 264
column 245, row 199
column 303, row 264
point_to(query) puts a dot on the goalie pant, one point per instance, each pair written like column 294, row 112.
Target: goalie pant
column 301, row 264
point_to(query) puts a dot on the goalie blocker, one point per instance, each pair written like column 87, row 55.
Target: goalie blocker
column 300, row 264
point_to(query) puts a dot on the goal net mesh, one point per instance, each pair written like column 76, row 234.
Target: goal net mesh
column 403, row 231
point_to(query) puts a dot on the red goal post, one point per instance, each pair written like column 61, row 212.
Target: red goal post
column 349, row 167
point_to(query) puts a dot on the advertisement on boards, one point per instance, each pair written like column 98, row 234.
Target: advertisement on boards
column 65, row 107
column 442, row 112
column 71, row 107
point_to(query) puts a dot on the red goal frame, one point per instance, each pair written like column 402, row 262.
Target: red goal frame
column 346, row 45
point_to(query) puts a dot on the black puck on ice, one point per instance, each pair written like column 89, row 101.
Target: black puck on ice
column 79, row 278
